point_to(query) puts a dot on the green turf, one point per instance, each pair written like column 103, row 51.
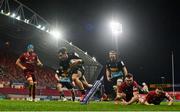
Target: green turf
column 7, row 105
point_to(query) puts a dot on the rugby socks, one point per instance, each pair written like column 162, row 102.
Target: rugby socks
column 61, row 94
column 30, row 90
column 73, row 95
column 34, row 91
column 83, row 92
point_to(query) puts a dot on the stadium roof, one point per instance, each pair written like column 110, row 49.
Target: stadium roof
column 18, row 31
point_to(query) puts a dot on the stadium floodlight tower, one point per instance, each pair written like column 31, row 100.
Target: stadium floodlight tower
column 116, row 30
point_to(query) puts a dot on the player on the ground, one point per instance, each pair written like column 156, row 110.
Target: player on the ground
column 156, row 97
column 127, row 92
column 73, row 65
column 27, row 62
column 115, row 69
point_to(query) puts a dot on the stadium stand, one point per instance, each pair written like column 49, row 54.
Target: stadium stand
column 13, row 74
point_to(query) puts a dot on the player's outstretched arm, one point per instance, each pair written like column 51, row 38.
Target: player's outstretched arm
column 170, row 102
column 18, row 63
column 134, row 98
column 125, row 71
column 39, row 62
column 170, row 99
column 108, row 74
column 56, row 76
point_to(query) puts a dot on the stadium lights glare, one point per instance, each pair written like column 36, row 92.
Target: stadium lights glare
column 13, row 15
column 2, row 11
column 55, row 33
column 43, row 28
column 47, row 31
column 85, row 53
column 70, row 43
column 7, row 14
column 39, row 26
column 94, row 58
column 26, row 21
column 116, row 27
column 18, row 17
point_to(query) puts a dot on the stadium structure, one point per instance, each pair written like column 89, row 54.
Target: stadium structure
column 19, row 26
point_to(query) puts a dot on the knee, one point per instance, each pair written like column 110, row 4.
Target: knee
column 30, row 81
column 59, row 86
column 75, row 77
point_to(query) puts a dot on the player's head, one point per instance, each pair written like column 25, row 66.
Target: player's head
column 62, row 53
column 119, row 82
column 30, row 48
column 129, row 79
column 159, row 90
column 113, row 55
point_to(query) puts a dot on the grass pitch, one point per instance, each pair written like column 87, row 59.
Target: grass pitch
column 8, row 105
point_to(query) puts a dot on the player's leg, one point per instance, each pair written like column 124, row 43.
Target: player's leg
column 60, row 90
column 73, row 94
column 30, row 84
column 75, row 78
column 70, row 87
column 34, row 87
column 85, row 83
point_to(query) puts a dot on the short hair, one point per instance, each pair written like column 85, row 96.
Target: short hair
column 113, row 51
column 30, row 46
column 129, row 75
column 62, row 50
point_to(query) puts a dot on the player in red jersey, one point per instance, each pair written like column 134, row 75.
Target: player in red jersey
column 27, row 62
column 127, row 92
column 156, row 97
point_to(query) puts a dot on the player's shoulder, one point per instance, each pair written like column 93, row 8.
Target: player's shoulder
column 25, row 54
column 123, row 84
column 34, row 54
column 108, row 62
column 152, row 93
column 120, row 62
column 73, row 54
column 135, row 83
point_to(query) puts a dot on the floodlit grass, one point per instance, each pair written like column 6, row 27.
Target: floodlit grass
column 8, row 105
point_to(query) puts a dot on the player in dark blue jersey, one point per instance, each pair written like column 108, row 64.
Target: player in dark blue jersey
column 115, row 69
column 71, row 66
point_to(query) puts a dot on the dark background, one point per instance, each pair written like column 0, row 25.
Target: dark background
column 151, row 30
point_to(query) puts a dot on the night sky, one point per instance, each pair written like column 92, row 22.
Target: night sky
column 151, row 31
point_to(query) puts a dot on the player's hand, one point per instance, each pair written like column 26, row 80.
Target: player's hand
column 170, row 103
column 124, row 103
column 109, row 79
column 35, row 82
column 24, row 68
column 90, row 85
column 40, row 64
